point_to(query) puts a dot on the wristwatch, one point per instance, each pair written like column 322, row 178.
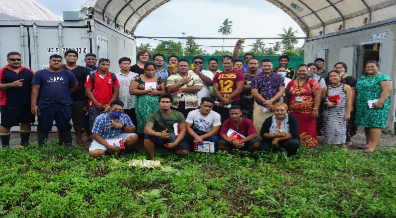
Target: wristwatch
column 181, row 83
column 231, row 142
column 123, row 127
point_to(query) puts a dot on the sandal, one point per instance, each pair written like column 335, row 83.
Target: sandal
column 82, row 143
column 363, row 146
column 348, row 144
column 370, row 151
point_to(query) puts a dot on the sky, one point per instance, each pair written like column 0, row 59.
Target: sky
column 202, row 18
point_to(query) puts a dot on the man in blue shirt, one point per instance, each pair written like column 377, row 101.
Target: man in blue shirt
column 246, row 57
column 113, row 125
column 51, row 99
column 90, row 62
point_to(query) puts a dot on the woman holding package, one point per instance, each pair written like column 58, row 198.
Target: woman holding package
column 147, row 87
column 303, row 96
column 336, row 110
column 372, row 103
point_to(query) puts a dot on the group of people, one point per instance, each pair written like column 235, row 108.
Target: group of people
column 183, row 107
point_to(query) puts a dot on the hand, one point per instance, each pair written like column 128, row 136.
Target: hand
column 164, row 134
column 237, row 143
column 187, row 79
column 115, row 125
column 170, row 145
column 347, row 116
column 113, row 148
column 226, row 101
column 378, row 105
column 196, row 70
column 279, row 135
column 177, row 92
column 268, row 103
column 99, row 106
column 106, row 105
column 151, row 92
column 34, row 109
column 314, row 114
column 275, row 143
column 199, row 140
column 330, row 104
column 240, row 41
column 17, row 83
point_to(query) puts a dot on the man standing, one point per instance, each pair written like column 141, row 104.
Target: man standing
column 213, row 65
column 78, row 97
column 124, row 78
column 283, row 62
column 15, row 89
column 184, row 87
column 246, row 57
column 90, row 62
column 321, row 71
column 173, row 59
column 101, row 88
column 159, row 60
column 160, row 124
column 205, row 76
column 267, row 88
column 240, row 125
column 51, row 99
column 112, row 125
column 238, row 65
column 227, row 87
column 143, row 56
column 203, row 124
column 247, row 99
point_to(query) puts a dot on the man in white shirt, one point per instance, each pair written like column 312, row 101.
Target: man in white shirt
column 203, row 124
column 206, row 77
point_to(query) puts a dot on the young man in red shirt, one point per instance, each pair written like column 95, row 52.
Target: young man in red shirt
column 100, row 90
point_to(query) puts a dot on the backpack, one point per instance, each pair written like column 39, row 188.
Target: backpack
column 113, row 78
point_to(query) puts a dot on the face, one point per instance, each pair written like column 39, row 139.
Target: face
column 247, row 58
column 149, row 71
column 320, row 64
column 206, row 107
column 334, row 77
column 90, row 61
column 104, row 66
column 198, row 63
column 159, row 61
column 280, row 111
column 235, row 114
column 253, row 65
column 371, row 69
column 117, row 108
column 266, row 67
column 55, row 63
column 182, row 67
column 227, row 64
column 213, row 66
column 125, row 65
column 14, row 61
column 173, row 60
column 283, row 62
column 165, row 103
column 281, row 70
column 238, row 66
column 312, row 70
column 302, row 72
column 340, row 68
column 71, row 58
column 144, row 57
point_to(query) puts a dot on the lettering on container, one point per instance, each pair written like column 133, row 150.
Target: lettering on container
column 78, row 50
column 379, row 35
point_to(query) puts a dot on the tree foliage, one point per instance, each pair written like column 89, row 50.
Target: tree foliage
column 225, row 29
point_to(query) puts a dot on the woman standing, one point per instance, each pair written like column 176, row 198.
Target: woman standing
column 312, row 70
column 303, row 97
column 147, row 98
column 373, row 86
column 337, row 109
column 351, row 81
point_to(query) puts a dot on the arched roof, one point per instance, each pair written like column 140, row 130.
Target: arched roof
column 315, row 17
column 25, row 10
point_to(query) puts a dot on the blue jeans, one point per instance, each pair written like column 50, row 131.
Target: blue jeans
column 60, row 113
column 189, row 139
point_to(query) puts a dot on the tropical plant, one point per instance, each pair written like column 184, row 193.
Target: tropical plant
column 225, row 30
column 288, row 40
column 258, row 48
column 169, row 48
column 143, row 46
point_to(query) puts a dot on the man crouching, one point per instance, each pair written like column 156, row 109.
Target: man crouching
column 110, row 126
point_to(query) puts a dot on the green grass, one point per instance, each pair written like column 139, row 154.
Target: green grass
column 61, row 182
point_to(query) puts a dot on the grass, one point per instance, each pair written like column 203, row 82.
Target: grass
column 64, row 182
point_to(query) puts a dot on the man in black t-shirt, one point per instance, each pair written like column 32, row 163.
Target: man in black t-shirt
column 79, row 99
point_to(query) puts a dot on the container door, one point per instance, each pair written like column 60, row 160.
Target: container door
column 102, row 47
column 348, row 56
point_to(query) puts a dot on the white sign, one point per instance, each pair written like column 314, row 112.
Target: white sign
column 45, row 67
column 379, row 35
column 78, row 50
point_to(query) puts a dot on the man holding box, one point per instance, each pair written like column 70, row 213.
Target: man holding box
column 113, row 131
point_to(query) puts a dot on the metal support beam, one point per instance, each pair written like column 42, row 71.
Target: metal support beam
column 104, row 10
column 292, row 12
column 342, row 16
column 368, row 10
column 134, row 13
column 323, row 25
column 119, row 12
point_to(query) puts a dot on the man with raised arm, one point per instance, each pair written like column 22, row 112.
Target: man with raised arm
column 246, row 57
column 205, row 76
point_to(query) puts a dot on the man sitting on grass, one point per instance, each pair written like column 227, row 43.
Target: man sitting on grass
column 203, row 124
column 240, row 125
column 112, row 125
column 160, row 125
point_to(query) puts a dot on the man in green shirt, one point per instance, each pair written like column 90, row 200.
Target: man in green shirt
column 157, row 132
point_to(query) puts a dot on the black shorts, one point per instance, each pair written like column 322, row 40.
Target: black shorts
column 78, row 112
column 12, row 115
column 243, row 148
column 160, row 143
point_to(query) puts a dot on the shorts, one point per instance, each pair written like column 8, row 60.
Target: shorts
column 97, row 146
column 78, row 112
column 243, row 148
column 160, row 143
column 131, row 114
column 12, row 115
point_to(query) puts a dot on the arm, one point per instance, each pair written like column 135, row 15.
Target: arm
column 180, row 136
column 191, row 89
column 133, row 89
column 33, row 99
column 114, row 96
column 386, row 87
column 16, row 83
column 281, row 91
column 73, row 88
column 174, row 87
column 204, row 78
column 237, row 91
column 216, row 91
column 353, row 97
column 213, row 132
column 235, row 53
column 250, row 137
column 286, row 100
column 162, row 92
column 348, row 93
column 257, row 95
column 324, row 92
column 316, row 94
column 88, row 92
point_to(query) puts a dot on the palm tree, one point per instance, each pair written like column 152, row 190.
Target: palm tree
column 258, row 48
column 225, row 30
column 288, row 41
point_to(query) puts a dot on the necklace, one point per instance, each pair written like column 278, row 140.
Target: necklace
column 298, row 84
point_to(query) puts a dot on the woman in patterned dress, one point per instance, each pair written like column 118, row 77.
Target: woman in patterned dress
column 147, row 99
column 336, row 111
column 303, row 96
column 372, row 86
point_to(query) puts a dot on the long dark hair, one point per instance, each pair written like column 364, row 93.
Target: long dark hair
column 337, row 72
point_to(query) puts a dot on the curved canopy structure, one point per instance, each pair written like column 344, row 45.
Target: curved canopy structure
column 25, row 10
column 315, row 17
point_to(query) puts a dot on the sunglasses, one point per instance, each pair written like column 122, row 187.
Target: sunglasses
column 159, row 59
column 198, row 62
column 319, row 62
column 14, row 59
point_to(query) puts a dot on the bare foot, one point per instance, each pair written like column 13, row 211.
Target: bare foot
column 364, row 146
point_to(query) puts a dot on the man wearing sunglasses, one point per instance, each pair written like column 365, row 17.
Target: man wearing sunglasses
column 321, row 71
column 206, row 77
column 15, row 89
column 159, row 60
